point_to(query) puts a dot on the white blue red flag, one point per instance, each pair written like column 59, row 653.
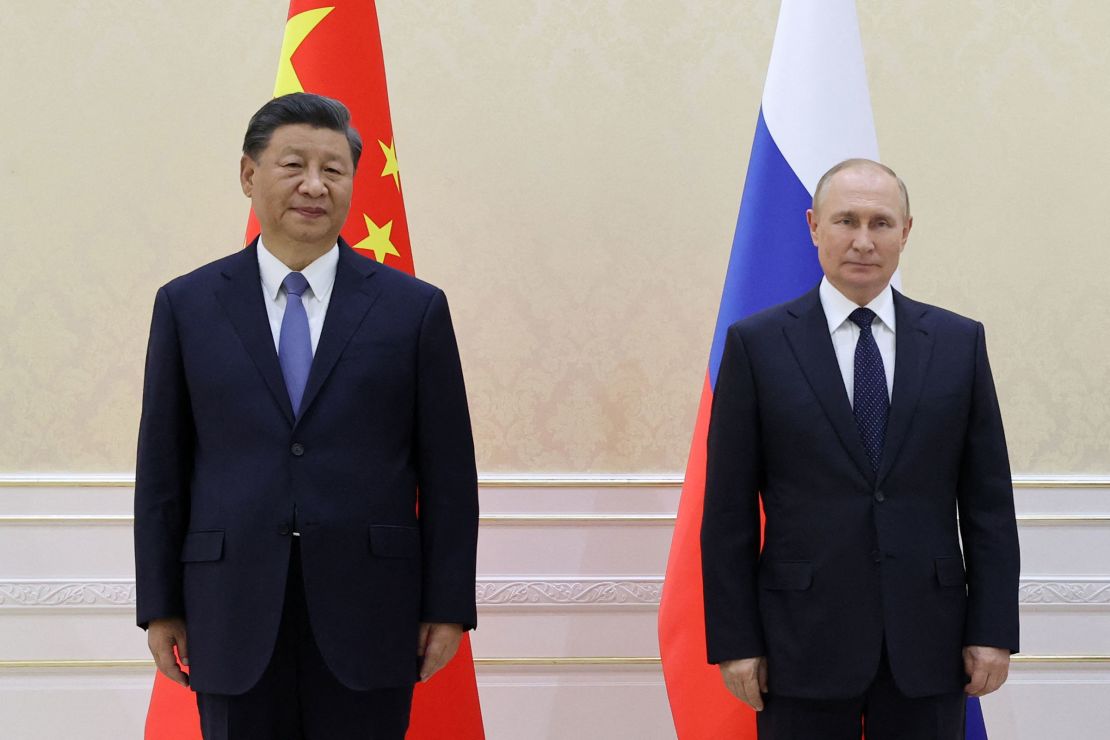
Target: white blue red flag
column 816, row 111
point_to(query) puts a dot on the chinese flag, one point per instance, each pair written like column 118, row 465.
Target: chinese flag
column 334, row 49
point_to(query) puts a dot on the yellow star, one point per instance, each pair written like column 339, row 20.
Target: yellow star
column 377, row 240
column 390, row 163
column 296, row 30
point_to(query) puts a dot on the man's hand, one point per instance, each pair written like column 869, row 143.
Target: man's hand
column 161, row 636
column 437, row 644
column 746, row 679
column 987, row 667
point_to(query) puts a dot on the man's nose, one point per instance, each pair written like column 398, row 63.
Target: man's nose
column 862, row 241
column 312, row 184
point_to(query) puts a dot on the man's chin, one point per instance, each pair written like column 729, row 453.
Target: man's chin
column 314, row 237
column 862, row 269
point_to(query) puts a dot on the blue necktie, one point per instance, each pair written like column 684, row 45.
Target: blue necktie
column 870, row 401
column 295, row 342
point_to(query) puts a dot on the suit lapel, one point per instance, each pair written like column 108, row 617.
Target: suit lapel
column 242, row 300
column 353, row 295
column 913, row 349
column 808, row 335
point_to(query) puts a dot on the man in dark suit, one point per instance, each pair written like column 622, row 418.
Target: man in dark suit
column 298, row 396
column 865, row 422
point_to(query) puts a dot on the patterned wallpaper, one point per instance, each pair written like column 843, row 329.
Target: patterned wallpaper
column 572, row 172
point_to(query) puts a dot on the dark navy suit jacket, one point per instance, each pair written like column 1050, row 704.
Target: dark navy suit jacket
column 225, row 473
column 851, row 557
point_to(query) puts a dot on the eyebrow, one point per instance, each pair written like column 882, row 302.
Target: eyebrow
column 889, row 215
column 295, row 149
column 298, row 152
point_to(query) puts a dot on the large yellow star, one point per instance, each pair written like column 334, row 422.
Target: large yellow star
column 377, row 240
column 296, row 30
column 390, row 163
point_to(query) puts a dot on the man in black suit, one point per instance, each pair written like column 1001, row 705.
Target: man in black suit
column 298, row 396
column 865, row 422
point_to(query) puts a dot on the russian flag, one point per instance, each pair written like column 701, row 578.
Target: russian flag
column 816, row 111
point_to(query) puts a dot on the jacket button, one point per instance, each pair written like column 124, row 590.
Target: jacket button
column 284, row 529
column 876, row 556
column 878, row 495
column 297, row 449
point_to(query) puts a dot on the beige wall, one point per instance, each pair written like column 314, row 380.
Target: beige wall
column 572, row 172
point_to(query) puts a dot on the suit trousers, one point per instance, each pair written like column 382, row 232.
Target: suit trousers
column 297, row 697
column 883, row 713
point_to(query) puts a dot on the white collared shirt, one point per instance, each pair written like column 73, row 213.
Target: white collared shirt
column 321, row 279
column 845, row 333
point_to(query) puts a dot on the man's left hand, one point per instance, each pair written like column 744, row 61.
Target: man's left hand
column 987, row 667
column 437, row 645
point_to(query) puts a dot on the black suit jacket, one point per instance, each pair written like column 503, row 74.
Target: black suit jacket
column 225, row 473
column 850, row 557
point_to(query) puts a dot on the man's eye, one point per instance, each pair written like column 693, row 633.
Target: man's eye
column 292, row 165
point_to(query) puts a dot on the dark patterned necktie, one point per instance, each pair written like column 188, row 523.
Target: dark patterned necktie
column 870, row 401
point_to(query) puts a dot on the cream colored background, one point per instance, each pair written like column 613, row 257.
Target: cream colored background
column 572, row 172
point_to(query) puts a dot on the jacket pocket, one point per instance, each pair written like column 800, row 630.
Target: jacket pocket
column 950, row 571
column 786, row 575
column 371, row 349
column 203, row 547
column 393, row 541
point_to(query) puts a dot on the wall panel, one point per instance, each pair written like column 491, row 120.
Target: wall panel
column 569, row 582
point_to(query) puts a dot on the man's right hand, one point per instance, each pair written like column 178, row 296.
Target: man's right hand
column 746, row 679
column 161, row 636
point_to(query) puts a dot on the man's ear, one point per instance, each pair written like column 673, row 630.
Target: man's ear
column 906, row 232
column 247, row 168
column 811, row 219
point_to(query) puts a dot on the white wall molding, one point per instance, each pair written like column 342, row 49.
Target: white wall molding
column 61, row 593
column 550, row 592
column 69, row 520
column 1064, row 592
column 67, row 594
column 515, row 480
column 67, row 480
column 510, row 592
column 1078, row 666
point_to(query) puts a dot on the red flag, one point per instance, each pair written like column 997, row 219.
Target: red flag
column 172, row 714
column 334, row 49
column 701, row 706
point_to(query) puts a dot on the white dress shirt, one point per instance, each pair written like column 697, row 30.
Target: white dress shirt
column 321, row 279
column 845, row 333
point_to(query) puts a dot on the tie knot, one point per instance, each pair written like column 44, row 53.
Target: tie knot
column 861, row 317
column 295, row 283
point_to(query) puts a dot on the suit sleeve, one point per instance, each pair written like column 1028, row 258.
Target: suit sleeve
column 162, row 472
column 447, row 476
column 730, row 531
column 987, row 524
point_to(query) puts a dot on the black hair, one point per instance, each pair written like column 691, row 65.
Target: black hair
column 316, row 111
